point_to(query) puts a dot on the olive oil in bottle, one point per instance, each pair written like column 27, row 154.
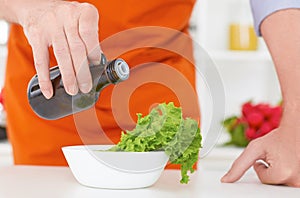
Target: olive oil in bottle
column 62, row 104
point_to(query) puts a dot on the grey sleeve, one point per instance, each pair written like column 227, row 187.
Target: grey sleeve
column 263, row 8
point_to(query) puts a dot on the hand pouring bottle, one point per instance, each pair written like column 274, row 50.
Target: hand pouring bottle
column 62, row 104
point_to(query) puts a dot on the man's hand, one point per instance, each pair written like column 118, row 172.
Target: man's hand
column 71, row 28
column 278, row 150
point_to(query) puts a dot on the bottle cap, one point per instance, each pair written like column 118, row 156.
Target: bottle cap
column 122, row 69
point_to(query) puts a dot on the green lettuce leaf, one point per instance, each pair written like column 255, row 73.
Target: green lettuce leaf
column 165, row 129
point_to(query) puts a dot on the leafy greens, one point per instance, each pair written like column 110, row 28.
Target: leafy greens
column 164, row 128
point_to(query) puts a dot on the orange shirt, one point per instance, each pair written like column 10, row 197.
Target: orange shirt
column 37, row 141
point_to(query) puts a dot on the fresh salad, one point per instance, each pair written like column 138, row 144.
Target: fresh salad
column 164, row 128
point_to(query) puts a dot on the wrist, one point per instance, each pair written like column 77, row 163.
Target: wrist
column 290, row 122
column 291, row 109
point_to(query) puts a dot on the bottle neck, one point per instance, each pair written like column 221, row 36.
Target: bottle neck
column 114, row 72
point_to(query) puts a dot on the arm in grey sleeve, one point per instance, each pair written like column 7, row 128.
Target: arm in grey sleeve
column 263, row 8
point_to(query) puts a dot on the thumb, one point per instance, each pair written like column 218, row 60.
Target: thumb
column 249, row 156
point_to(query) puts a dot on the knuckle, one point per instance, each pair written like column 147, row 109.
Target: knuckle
column 89, row 10
column 75, row 3
column 85, row 32
column 39, row 64
column 33, row 31
column 73, row 37
column 33, row 34
column 61, row 51
column 236, row 163
column 58, row 36
column 34, row 25
column 89, row 7
column 77, row 49
column 64, row 8
column 30, row 23
column 50, row 15
column 254, row 144
column 77, row 46
column 72, row 31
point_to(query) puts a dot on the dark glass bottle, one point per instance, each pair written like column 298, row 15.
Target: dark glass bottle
column 62, row 104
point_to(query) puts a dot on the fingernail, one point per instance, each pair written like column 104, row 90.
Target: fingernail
column 97, row 62
column 73, row 89
column 47, row 94
column 85, row 87
column 93, row 63
column 224, row 179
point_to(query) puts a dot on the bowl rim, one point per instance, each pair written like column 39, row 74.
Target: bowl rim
column 79, row 147
column 92, row 152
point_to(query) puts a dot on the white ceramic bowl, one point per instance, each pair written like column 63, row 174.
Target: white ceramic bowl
column 94, row 167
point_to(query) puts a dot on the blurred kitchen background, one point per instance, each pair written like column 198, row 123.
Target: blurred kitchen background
column 224, row 29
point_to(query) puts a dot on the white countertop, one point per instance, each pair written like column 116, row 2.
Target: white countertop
column 58, row 182
column 6, row 158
